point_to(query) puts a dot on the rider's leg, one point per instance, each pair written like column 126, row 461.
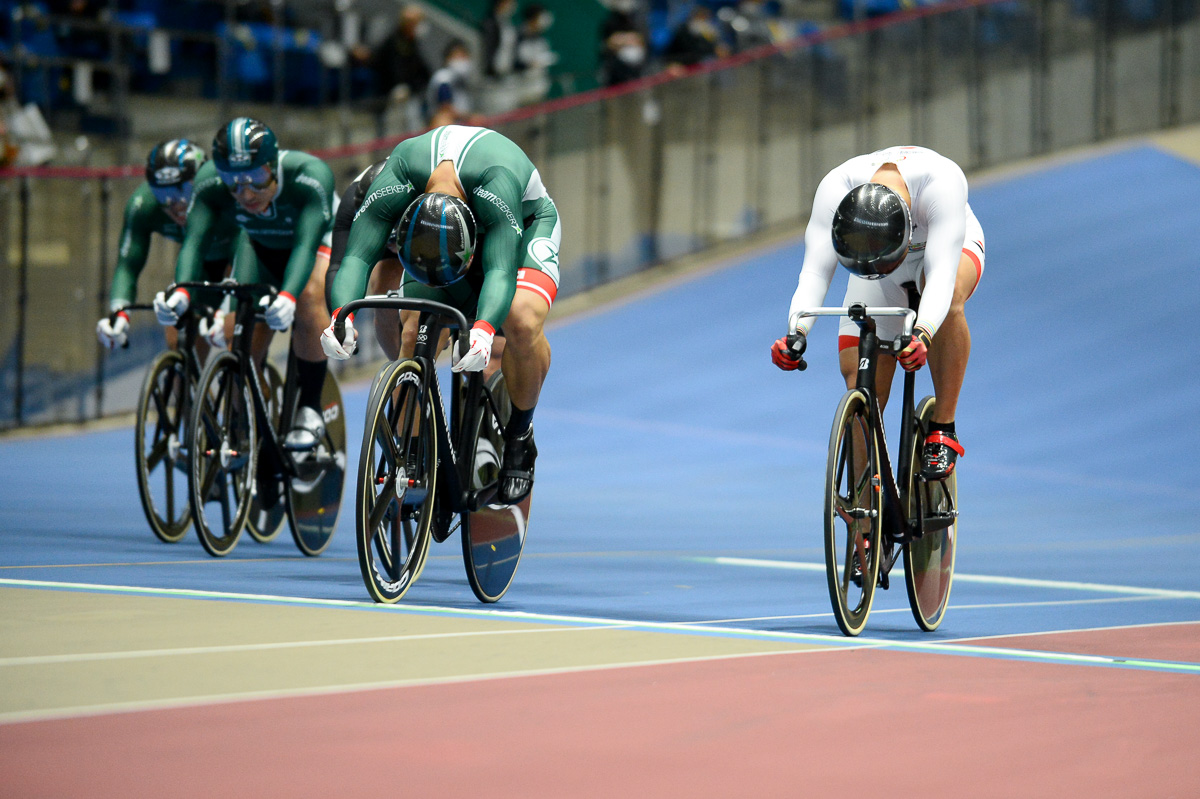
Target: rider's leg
column 386, row 276
column 948, row 355
column 528, row 353
column 526, row 362
column 312, row 317
column 952, row 345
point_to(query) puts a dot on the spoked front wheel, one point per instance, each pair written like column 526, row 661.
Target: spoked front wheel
column 929, row 560
column 853, row 513
column 397, row 483
column 223, row 452
column 161, row 458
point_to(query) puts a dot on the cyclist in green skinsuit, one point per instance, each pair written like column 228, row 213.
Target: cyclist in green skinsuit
column 459, row 192
column 284, row 200
column 160, row 206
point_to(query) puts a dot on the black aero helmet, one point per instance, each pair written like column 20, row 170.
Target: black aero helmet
column 173, row 163
column 871, row 231
column 364, row 181
column 436, row 238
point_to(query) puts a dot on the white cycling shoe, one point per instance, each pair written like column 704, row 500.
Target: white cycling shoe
column 308, row 429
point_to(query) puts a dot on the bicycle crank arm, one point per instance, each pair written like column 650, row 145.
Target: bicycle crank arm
column 939, row 521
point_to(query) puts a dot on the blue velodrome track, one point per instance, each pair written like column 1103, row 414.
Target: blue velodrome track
column 680, row 476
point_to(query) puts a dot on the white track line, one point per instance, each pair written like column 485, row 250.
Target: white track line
column 1066, row 585
column 39, row 660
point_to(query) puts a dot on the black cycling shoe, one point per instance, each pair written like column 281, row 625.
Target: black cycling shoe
column 939, row 455
column 516, row 471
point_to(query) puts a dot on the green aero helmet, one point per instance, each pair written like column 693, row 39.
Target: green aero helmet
column 244, row 152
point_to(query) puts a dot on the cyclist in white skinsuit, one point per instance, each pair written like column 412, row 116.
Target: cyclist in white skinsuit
column 944, row 258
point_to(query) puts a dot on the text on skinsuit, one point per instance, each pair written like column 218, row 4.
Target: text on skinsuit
column 484, row 194
column 381, row 193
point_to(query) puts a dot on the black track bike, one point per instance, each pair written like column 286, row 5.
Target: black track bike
column 424, row 473
column 872, row 513
column 239, row 471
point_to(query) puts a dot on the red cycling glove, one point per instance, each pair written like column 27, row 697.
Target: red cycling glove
column 913, row 356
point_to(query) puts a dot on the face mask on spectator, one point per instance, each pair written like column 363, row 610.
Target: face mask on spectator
column 461, row 67
column 632, row 54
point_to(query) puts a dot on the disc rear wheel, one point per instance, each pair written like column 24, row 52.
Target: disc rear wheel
column 929, row 560
column 853, row 513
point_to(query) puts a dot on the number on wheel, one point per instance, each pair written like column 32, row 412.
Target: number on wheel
column 222, row 456
column 397, row 482
column 160, row 452
column 853, row 513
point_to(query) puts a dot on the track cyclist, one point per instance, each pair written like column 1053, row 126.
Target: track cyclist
column 160, row 205
column 447, row 195
column 284, row 200
column 891, row 217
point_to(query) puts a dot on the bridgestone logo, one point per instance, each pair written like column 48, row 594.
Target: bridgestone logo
column 313, row 183
column 379, row 194
column 483, row 194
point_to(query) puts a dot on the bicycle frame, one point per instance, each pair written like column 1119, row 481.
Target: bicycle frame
column 466, row 407
column 897, row 526
column 243, row 332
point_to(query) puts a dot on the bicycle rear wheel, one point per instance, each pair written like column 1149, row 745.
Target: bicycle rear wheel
column 493, row 537
column 263, row 524
column 929, row 560
column 314, row 492
column 223, row 440
column 159, row 447
column 853, row 513
column 397, row 483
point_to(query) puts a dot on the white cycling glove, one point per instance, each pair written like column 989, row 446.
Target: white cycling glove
column 169, row 309
column 113, row 334
column 329, row 342
column 280, row 313
column 214, row 331
column 480, row 352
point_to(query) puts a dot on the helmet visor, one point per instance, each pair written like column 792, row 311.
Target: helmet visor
column 257, row 179
column 173, row 195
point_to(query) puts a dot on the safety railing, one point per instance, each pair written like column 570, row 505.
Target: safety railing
column 664, row 167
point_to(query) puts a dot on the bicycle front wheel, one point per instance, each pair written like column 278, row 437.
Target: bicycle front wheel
column 159, row 448
column 397, row 483
column 853, row 513
column 929, row 560
column 222, row 455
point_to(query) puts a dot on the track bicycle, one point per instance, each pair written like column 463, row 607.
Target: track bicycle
column 160, row 448
column 420, row 467
column 237, row 462
column 873, row 514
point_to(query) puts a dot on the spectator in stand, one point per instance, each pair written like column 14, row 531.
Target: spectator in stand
column 534, row 55
column 8, row 107
column 500, row 39
column 400, row 69
column 533, row 48
column 449, row 94
column 696, row 40
column 623, row 38
column 752, row 23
